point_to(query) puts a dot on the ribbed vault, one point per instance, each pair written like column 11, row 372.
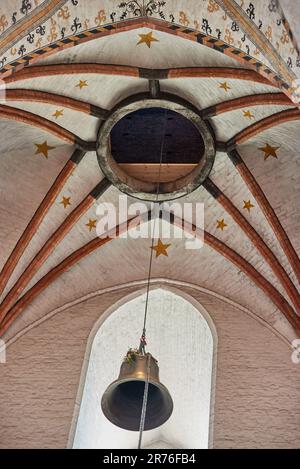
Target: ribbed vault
column 50, row 115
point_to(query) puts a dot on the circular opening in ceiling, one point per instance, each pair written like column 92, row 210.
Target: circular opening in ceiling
column 144, row 138
column 131, row 140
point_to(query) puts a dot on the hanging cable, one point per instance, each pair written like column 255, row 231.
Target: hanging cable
column 144, row 407
column 143, row 341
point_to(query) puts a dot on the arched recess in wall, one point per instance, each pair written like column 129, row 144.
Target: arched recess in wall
column 183, row 338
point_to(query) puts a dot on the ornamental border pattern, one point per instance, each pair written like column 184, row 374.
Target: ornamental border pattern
column 159, row 25
column 30, row 22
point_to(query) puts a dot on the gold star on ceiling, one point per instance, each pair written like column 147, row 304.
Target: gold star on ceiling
column 147, row 39
column 43, row 148
column 249, row 115
column 248, row 205
column 224, row 86
column 161, row 248
column 91, row 224
column 66, row 201
column 58, row 113
column 221, row 225
column 269, row 151
column 82, row 84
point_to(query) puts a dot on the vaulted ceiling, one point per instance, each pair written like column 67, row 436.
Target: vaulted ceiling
column 65, row 65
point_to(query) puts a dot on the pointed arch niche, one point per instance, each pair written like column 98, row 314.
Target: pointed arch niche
column 182, row 337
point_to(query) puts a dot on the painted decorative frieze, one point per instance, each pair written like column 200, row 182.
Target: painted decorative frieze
column 205, row 16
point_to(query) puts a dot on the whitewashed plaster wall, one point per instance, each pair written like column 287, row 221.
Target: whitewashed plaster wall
column 180, row 339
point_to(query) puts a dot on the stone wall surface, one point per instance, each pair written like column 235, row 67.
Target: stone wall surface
column 257, row 391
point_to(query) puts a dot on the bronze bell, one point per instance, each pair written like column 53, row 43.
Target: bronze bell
column 123, row 399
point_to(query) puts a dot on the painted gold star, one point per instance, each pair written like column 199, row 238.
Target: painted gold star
column 161, row 248
column 269, row 151
column 82, row 84
column 248, row 205
column 91, row 224
column 221, row 225
column 58, row 113
column 224, row 86
column 249, row 115
column 147, row 39
column 43, row 148
column 66, row 201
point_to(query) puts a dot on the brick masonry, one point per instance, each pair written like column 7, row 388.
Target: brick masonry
column 257, row 385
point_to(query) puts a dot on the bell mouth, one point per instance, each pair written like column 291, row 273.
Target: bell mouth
column 122, row 404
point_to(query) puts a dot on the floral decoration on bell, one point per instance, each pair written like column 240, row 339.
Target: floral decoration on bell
column 131, row 355
column 145, row 8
